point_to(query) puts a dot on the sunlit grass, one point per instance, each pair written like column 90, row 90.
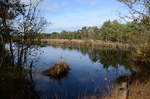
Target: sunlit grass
column 58, row 70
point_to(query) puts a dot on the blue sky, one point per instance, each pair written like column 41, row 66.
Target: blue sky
column 74, row 14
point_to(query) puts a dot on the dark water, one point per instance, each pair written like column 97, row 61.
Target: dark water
column 92, row 73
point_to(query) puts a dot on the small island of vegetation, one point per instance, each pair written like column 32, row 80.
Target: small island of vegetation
column 58, row 71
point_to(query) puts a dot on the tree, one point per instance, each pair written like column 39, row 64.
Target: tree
column 31, row 24
column 140, row 12
column 19, row 20
column 140, row 8
column 9, row 11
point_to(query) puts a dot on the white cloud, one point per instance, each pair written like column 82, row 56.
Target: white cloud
column 65, row 3
column 56, row 6
column 53, row 8
column 90, row 2
column 28, row 1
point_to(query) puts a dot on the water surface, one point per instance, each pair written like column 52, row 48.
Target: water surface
column 92, row 72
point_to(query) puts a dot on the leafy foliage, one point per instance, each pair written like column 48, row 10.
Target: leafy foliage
column 111, row 31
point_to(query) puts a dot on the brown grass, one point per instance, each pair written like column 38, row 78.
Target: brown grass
column 137, row 90
column 90, row 43
column 58, row 70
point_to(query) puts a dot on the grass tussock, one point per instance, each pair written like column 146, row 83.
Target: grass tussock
column 58, row 70
column 138, row 90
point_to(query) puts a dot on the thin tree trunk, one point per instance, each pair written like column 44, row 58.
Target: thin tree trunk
column 12, row 52
column 1, row 50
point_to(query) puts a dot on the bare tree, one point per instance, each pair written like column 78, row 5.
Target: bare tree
column 19, row 20
column 9, row 11
column 138, row 7
column 140, row 12
column 29, row 25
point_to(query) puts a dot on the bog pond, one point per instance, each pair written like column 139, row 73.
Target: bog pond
column 93, row 72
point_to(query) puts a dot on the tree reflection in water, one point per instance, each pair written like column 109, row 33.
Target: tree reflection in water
column 19, row 83
column 15, row 83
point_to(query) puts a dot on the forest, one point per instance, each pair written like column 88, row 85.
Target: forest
column 113, row 31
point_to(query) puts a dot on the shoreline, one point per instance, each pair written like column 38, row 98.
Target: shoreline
column 83, row 43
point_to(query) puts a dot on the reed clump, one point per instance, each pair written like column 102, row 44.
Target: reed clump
column 58, row 70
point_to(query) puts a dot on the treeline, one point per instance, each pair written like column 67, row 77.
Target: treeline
column 112, row 31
